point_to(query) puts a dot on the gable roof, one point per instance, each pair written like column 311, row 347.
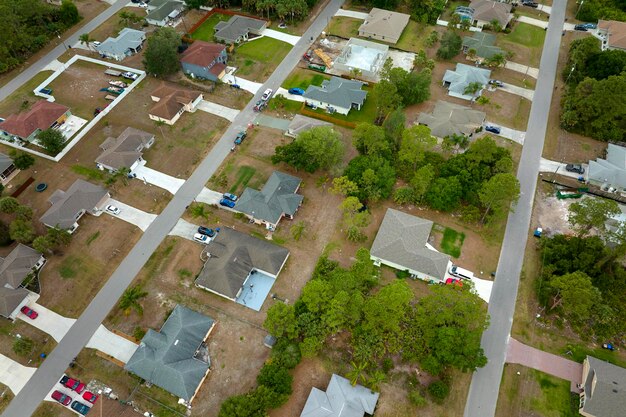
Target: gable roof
column 122, row 151
column 277, row 196
column 5, row 162
column 237, row 26
column 337, row 92
column 232, row 256
column 611, row 170
column 483, row 43
column 449, row 119
column 605, row 392
column 128, row 38
column 17, row 265
column 81, row 195
column 10, row 299
column 41, row 115
column 301, row 124
column 341, row 399
column 202, row 53
column 463, row 75
column 171, row 100
column 168, row 358
column 402, row 238
column 616, row 32
column 488, row 10
column 385, row 23
column 164, row 9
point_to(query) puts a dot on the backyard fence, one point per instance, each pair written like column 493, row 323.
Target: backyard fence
column 326, row 117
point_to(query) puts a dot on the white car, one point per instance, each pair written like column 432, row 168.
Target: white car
column 198, row 237
column 267, row 94
column 113, row 210
column 96, row 43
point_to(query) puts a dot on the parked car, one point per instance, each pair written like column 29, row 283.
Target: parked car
column 80, row 407
column 90, row 396
column 62, row 398
column 227, row 203
column 130, row 75
column 29, row 312
column 530, row 4
column 229, row 196
column 73, row 384
column 282, row 25
column 497, row 83
column 206, row 231
column 267, row 94
column 113, row 209
column 296, row 91
column 199, row 237
column 581, row 28
column 590, row 25
column 308, row 56
column 577, row 168
column 493, row 129
column 454, row 281
column 240, row 137
column 96, row 43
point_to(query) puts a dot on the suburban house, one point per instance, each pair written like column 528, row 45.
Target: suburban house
column 277, row 199
column 301, row 124
column 402, row 243
column 69, row 206
column 238, row 28
column 172, row 102
column 603, row 393
column 204, row 60
column 485, row 11
column 125, row 151
column 7, row 168
column 483, row 43
column 614, row 33
column 449, row 119
column 176, row 358
column 337, row 94
column 161, row 12
column 235, row 257
column 14, row 269
column 365, row 56
column 609, row 173
column 27, row 125
column 458, row 80
column 341, row 399
column 127, row 43
column 384, row 25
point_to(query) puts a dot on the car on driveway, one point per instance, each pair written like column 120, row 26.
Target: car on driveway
column 113, row 209
column 62, row 398
column 29, row 312
column 577, row 168
column 296, row 91
column 206, row 231
column 229, row 196
column 590, row 25
column 493, row 129
column 73, row 384
column 267, row 94
column 496, row 83
column 581, row 28
column 199, row 237
column 80, row 407
column 530, row 4
column 90, row 396
column 454, row 281
column 227, row 203
column 240, row 137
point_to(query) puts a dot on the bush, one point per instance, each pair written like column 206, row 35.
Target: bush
column 5, row 237
column 23, row 346
column 450, row 46
column 276, row 378
column 387, row 365
column 286, row 354
column 439, row 390
column 416, row 398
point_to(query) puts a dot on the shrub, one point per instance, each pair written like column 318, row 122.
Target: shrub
column 276, row 378
column 439, row 390
column 286, row 354
column 23, row 346
column 417, row 399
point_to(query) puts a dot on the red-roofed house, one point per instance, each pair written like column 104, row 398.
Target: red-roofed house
column 27, row 125
column 205, row 60
column 172, row 102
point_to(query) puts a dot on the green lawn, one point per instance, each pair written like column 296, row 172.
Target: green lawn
column 412, row 38
column 303, row 78
column 527, row 35
column 452, row 242
column 346, row 27
column 205, row 31
column 267, row 50
column 244, row 175
column 556, row 399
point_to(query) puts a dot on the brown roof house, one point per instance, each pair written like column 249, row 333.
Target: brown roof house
column 172, row 102
column 614, row 32
column 604, row 389
column 14, row 269
column 449, row 119
column 204, row 60
column 125, row 151
column 69, row 206
column 384, row 25
column 25, row 126
column 487, row 10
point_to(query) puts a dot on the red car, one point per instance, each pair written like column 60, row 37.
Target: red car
column 454, row 281
column 73, row 384
column 90, row 396
column 30, row 313
column 62, row 398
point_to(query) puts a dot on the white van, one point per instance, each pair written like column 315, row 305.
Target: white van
column 460, row 272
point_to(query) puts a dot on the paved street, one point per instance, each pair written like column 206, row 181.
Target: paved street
column 483, row 393
column 27, row 401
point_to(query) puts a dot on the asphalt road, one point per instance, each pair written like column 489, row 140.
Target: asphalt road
column 483, row 393
column 29, row 398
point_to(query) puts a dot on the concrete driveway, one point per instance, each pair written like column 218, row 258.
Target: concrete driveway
column 506, row 132
column 209, row 197
column 112, row 344
column 132, row 215
column 184, row 229
column 293, row 97
column 281, row 36
column 273, row 122
column 547, row 165
column 523, row 69
column 518, row 91
column 247, row 85
column 154, row 177
column 218, row 110
column 350, row 13
column 13, row 374
column 532, row 21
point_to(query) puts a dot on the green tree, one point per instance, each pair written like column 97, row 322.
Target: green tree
column 386, row 96
column 22, row 160
column 24, row 213
column 473, row 88
column 286, row 353
column 357, row 372
column 68, row 13
column 575, row 296
column 281, row 321
column 454, row 21
column 416, row 141
column 161, row 54
column 496, row 61
column 385, row 311
column 432, row 39
column 276, row 378
column 412, row 87
column 317, row 148
column 590, row 213
column 498, row 193
column 23, row 346
column 373, row 175
column 580, row 51
column 41, row 244
column 22, row 231
column 86, row 40
column 439, row 390
column 450, row 45
column 495, row 25
column 606, row 63
column 51, row 140
column 369, row 139
column 8, row 205
column 298, row 230
column 394, row 125
column 354, row 218
column 444, row 194
column 5, row 237
column 196, row 4
column 342, row 186
column 130, row 300
column 421, row 181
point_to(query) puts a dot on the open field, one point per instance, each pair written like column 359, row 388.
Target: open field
column 345, row 27
column 525, row 42
column 258, row 58
column 412, row 39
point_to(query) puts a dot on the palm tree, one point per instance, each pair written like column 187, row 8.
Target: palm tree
column 495, row 25
column 85, row 39
column 356, row 373
column 471, row 53
column 130, row 300
column 473, row 88
column 377, row 378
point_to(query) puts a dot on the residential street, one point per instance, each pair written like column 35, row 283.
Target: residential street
column 483, row 393
column 27, row 401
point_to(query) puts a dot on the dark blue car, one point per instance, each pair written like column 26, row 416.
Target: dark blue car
column 206, row 231
column 227, row 203
column 80, row 407
column 492, row 129
column 296, row 91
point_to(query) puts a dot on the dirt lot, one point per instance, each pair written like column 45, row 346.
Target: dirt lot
column 42, row 343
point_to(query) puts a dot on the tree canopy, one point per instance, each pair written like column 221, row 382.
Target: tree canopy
column 161, row 54
column 52, row 140
column 317, row 148
column 450, row 45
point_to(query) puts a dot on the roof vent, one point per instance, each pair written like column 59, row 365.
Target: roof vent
column 176, row 342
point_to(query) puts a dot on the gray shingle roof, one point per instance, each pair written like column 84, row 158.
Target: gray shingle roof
column 237, row 26
column 17, row 265
column 166, row 358
column 611, row 170
column 128, row 38
column 402, row 238
column 488, row 10
column 448, row 119
column 337, row 92
column 277, row 197
column 81, row 195
column 341, row 399
column 463, row 75
column 483, row 43
column 122, row 152
column 385, row 23
column 164, row 9
column 10, row 299
column 233, row 256
column 5, row 162
column 605, row 389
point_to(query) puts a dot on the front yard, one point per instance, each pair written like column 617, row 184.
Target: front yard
column 257, row 59
column 525, row 42
column 345, row 27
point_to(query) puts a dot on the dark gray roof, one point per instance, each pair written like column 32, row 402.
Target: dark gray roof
column 605, row 389
column 277, row 197
column 5, row 162
column 237, row 26
column 128, row 38
column 17, row 265
column 10, row 299
column 448, row 119
column 168, row 359
column 81, row 195
column 337, row 92
column 341, row 399
column 164, row 9
column 122, row 152
column 233, row 256
column 402, row 238
column 301, row 124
